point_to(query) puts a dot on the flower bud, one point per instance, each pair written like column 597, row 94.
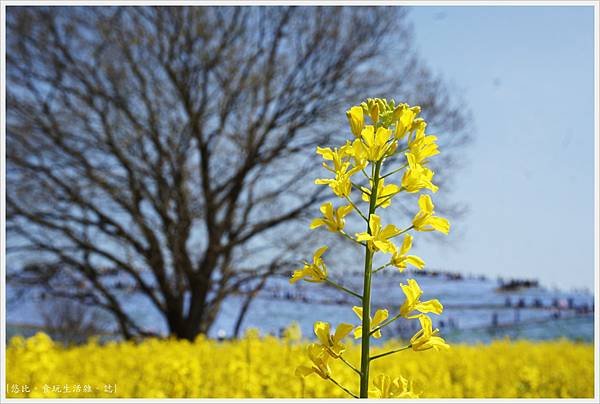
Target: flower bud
column 374, row 112
column 356, row 119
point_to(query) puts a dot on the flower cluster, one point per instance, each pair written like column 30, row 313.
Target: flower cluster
column 263, row 367
column 382, row 134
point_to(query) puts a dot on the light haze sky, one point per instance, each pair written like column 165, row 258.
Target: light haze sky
column 527, row 74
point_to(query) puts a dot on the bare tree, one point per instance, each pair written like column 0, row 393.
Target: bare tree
column 167, row 152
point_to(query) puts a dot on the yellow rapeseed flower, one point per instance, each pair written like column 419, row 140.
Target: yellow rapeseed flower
column 333, row 220
column 332, row 343
column 335, row 155
column 374, row 144
column 404, row 116
column 378, row 240
column 341, row 184
column 417, row 177
column 400, row 259
column 259, row 367
column 380, row 316
column 427, row 338
column 413, row 293
column 422, row 146
column 320, row 366
column 425, row 220
column 385, row 387
column 384, row 193
column 293, row 332
column 312, row 272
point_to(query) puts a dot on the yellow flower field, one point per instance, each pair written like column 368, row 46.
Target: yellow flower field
column 264, row 367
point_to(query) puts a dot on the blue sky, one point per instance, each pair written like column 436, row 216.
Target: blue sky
column 527, row 74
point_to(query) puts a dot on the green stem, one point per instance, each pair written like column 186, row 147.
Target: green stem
column 340, row 287
column 351, row 366
column 366, row 306
column 403, row 231
column 389, row 352
column 349, row 237
column 356, row 186
column 365, row 173
column 395, row 171
column 343, row 388
column 356, row 209
column 389, row 197
column 389, row 264
column 391, row 320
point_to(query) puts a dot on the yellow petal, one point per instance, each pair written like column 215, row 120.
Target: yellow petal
column 406, row 244
column 316, row 223
column 341, row 331
column 389, row 190
column 382, row 135
column 425, row 325
column 321, row 329
column 374, row 223
column 326, row 209
column 430, row 306
column 415, row 261
column 364, row 236
column 344, row 210
column 368, row 135
column 389, row 231
column 325, row 152
column 412, row 163
column 440, row 224
column 303, row 371
column 297, row 275
column 380, row 316
column 320, row 251
column 425, row 204
column 415, row 289
column 385, row 246
column 438, row 343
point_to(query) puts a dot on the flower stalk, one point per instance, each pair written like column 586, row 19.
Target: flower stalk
column 366, row 301
column 395, row 130
column 393, row 351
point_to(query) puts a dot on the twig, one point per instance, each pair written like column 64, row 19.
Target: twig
column 349, row 237
column 395, row 171
column 340, row 287
column 357, row 209
column 403, row 231
column 389, row 264
column 349, row 365
column 342, row 387
column 372, row 358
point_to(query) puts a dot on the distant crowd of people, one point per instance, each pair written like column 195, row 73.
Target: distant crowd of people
column 559, row 304
column 515, row 284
